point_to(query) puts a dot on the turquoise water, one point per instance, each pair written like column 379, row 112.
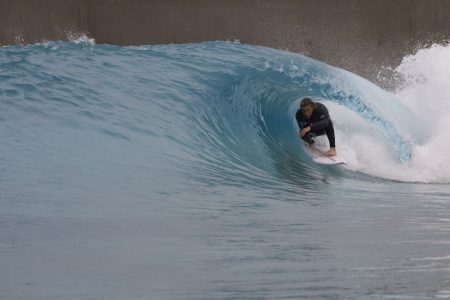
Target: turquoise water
column 175, row 172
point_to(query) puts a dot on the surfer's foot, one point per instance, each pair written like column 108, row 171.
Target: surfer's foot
column 331, row 152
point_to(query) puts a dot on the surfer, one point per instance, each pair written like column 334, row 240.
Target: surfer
column 313, row 119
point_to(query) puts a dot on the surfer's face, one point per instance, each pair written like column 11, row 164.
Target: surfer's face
column 307, row 111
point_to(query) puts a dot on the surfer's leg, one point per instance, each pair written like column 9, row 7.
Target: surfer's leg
column 330, row 135
column 309, row 138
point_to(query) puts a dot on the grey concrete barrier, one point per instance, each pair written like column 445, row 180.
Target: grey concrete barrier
column 361, row 36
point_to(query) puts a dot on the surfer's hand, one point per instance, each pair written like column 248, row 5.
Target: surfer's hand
column 304, row 131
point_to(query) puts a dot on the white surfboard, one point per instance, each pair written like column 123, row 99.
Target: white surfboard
column 317, row 155
column 328, row 160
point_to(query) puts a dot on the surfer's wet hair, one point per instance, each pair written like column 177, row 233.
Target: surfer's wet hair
column 307, row 102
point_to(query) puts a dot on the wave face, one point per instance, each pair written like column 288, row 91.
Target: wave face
column 191, row 154
column 213, row 109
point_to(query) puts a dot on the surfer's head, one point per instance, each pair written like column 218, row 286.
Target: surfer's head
column 307, row 106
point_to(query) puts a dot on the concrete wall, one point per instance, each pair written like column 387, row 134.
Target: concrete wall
column 357, row 35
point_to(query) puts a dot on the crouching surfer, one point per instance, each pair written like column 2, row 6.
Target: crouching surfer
column 313, row 120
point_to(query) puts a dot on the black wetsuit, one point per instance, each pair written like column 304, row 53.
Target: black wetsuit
column 319, row 122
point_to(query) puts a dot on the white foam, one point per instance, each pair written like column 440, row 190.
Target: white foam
column 80, row 39
column 362, row 146
column 426, row 92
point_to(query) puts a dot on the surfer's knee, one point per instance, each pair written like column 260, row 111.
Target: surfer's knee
column 308, row 138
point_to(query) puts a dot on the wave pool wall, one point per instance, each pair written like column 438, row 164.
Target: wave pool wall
column 358, row 35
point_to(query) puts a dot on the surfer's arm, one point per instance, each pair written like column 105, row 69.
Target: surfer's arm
column 323, row 120
column 300, row 119
column 304, row 131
